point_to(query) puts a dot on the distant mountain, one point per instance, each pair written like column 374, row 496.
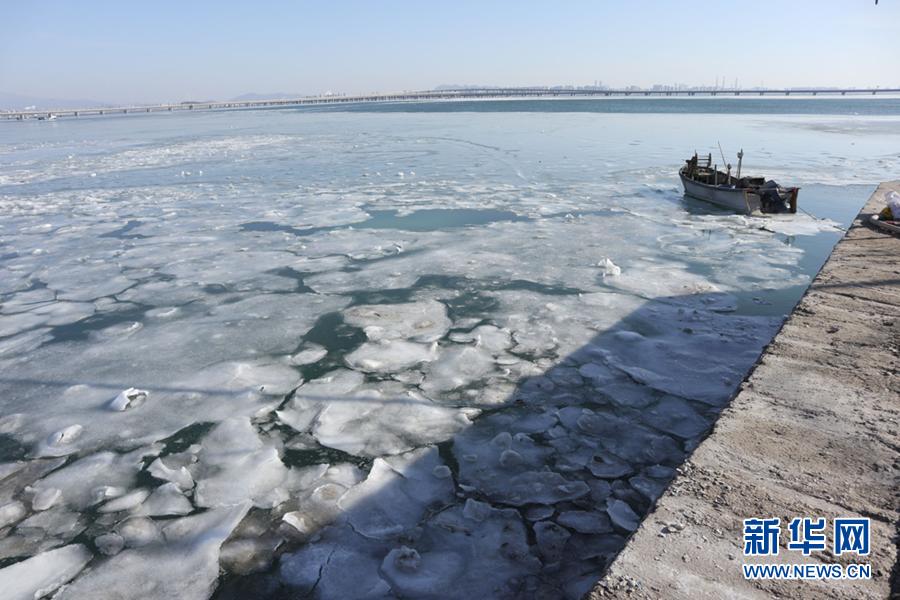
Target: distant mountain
column 270, row 96
column 9, row 101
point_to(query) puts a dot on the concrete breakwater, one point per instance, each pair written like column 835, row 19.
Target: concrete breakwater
column 814, row 431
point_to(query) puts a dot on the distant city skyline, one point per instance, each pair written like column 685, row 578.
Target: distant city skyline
column 168, row 52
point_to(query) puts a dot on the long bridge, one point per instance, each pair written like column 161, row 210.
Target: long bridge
column 436, row 95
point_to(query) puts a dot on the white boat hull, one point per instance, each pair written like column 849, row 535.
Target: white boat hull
column 738, row 200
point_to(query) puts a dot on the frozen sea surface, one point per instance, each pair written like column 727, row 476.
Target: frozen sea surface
column 448, row 353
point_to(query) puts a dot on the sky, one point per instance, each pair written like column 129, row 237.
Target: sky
column 159, row 51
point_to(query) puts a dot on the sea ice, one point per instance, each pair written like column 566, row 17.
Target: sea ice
column 43, row 574
column 166, row 500
column 621, row 515
column 82, row 480
column 423, row 322
column 138, row 531
column 396, row 494
column 457, row 367
column 324, row 566
column 12, row 512
column 584, row 521
column 45, row 498
column 386, row 419
column 130, row 398
column 179, row 475
column 109, row 544
column 184, row 565
column 236, row 466
column 300, row 412
column 551, row 540
column 459, row 557
column 310, row 353
column 390, row 356
column 125, row 502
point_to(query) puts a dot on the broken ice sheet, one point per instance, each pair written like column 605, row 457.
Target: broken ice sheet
column 510, row 469
column 458, row 556
column 185, row 564
column 390, row 356
column 235, row 466
column 424, row 321
column 44, row 573
column 396, row 493
column 88, row 480
column 386, row 419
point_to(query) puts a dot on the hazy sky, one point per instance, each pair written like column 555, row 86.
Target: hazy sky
column 127, row 51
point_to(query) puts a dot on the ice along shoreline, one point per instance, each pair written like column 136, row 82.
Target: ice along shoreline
column 811, row 432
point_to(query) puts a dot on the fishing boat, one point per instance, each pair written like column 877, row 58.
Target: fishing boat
column 749, row 195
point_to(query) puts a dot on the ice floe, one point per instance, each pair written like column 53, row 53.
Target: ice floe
column 43, row 574
column 235, row 466
column 184, row 564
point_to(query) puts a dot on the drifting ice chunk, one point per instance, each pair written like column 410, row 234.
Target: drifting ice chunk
column 541, row 487
column 538, row 513
column 309, row 398
column 415, row 577
column 45, row 498
column 130, row 398
column 126, row 502
column 675, row 416
column 325, row 566
column 185, row 566
column 109, row 544
column 138, row 531
column 396, row 494
column 610, row 269
column 457, row 367
column 475, row 510
column 551, row 539
column 180, row 476
column 166, row 500
column 510, row 468
column 621, row 437
column 90, row 479
column 584, row 521
column 442, row 472
column 60, row 443
column 235, row 466
column 299, row 521
column 302, row 569
column 424, row 321
column 41, row 575
column 621, row 515
column 57, row 522
column 11, row 513
column 650, row 488
column 373, row 422
column 458, row 557
column 390, row 356
column 311, row 353
column 487, row 337
column 607, row 466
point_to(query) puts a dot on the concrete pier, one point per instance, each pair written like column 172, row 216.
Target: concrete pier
column 814, row 431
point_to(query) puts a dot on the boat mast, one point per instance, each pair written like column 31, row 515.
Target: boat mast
column 740, row 158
